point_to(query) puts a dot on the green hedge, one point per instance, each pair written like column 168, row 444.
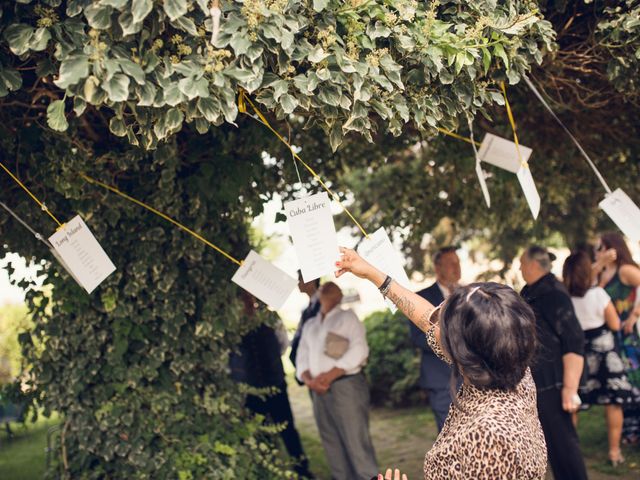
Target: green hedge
column 394, row 364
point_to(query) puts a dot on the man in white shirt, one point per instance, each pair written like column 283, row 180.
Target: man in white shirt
column 333, row 349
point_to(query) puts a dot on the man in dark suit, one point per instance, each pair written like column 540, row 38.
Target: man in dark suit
column 434, row 373
column 312, row 289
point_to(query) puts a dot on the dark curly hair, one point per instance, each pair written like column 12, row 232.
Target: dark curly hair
column 488, row 331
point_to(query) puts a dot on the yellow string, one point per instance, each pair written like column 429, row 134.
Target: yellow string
column 242, row 108
column 43, row 207
column 162, row 215
column 455, row 135
column 513, row 125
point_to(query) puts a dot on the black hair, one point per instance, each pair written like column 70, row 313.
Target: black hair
column 576, row 274
column 488, row 331
column 442, row 251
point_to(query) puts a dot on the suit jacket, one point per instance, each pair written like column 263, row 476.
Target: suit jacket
column 307, row 314
column 434, row 373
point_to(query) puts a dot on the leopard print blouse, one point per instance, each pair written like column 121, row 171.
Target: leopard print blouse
column 493, row 434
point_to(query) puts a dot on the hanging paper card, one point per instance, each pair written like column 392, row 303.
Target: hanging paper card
column 530, row 191
column 314, row 235
column 502, row 153
column 81, row 254
column 624, row 213
column 264, row 280
column 380, row 252
column 483, row 183
column 64, row 265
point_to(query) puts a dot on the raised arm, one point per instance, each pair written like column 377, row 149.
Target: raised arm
column 416, row 308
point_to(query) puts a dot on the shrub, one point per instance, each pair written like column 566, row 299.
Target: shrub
column 394, row 364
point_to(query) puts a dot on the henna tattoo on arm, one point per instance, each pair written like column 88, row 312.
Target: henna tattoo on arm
column 408, row 307
column 405, row 305
column 424, row 322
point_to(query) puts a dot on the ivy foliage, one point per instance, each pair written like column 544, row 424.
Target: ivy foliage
column 357, row 66
column 139, row 369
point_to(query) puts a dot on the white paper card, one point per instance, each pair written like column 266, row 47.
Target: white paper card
column 314, row 235
column 502, row 153
column 380, row 252
column 530, row 191
column 624, row 213
column 264, row 280
column 81, row 254
column 483, row 183
column 64, row 265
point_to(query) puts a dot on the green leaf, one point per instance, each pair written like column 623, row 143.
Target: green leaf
column 486, row 59
column 320, row 5
column 210, row 108
column 498, row 51
column 40, row 39
column 117, row 4
column 174, row 118
column 240, row 44
column 79, row 106
column 317, row 55
column 18, row 36
column 175, row 8
column 10, row 78
column 117, row 88
column 186, row 24
column 117, row 127
column 73, row 70
column 128, row 25
column 133, row 70
column 288, row 103
column 55, row 116
column 98, row 15
column 140, row 9
column 193, row 88
column 92, row 91
column 146, row 95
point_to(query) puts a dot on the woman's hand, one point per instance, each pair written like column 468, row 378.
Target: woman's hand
column 354, row 263
column 392, row 475
column 568, row 400
column 629, row 323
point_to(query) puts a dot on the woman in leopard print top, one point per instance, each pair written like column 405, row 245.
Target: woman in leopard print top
column 487, row 332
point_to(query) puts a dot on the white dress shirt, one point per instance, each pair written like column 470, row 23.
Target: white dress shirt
column 311, row 354
column 445, row 291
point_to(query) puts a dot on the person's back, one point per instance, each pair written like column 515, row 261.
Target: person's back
column 559, row 361
column 590, row 308
column 488, row 427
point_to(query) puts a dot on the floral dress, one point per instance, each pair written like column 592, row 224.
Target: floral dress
column 624, row 298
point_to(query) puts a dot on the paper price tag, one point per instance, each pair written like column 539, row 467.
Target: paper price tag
column 380, row 252
column 314, row 235
column 81, row 254
column 624, row 213
column 264, row 280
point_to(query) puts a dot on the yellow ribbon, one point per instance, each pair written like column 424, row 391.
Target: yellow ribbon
column 513, row 125
column 162, row 215
column 43, row 207
column 242, row 108
column 459, row 137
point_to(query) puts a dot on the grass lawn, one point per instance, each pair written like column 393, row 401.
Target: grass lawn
column 402, row 436
column 23, row 457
